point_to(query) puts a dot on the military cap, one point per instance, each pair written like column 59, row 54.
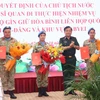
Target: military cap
column 41, row 32
column 7, row 27
column 90, row 30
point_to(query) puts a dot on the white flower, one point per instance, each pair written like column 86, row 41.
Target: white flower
column 97, row 52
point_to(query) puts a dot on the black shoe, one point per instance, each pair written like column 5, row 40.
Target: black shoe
column 44, row 92
column 72, row 92
column 66, row 94
column 6, row 92
column 12, row 96
column 40, row 92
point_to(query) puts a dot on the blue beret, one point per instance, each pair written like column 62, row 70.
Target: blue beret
column 90, row 30
column 41, row 32
column 6, row 28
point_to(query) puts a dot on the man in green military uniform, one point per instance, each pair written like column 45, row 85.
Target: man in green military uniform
column 91, row 43
column 70, row 44
column 7, row 77
column 42, row 80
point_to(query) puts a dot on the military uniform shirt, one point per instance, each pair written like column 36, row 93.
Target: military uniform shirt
column 66, row 42
column 91, row 45
column 38, row 47
column 7, row 43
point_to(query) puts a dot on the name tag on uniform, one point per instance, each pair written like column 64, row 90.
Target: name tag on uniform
column 2, row 52
column 36, row 59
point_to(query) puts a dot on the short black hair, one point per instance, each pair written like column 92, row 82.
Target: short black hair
column 6, row 28
column 90, row 30
column 67, row 27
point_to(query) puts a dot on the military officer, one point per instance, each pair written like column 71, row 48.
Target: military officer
column 42, row 80
column 91, row 43
column 70, row 44
column 7, row 77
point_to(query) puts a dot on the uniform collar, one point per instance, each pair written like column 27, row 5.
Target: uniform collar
column 67, row 38
column 39, row 43
column 92, row 40
column 3, row 38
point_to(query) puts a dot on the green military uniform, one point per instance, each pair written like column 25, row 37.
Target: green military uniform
column 42, row 80
column 7, row 77
column 92, row 48
column 91, row 45
column 69, row 67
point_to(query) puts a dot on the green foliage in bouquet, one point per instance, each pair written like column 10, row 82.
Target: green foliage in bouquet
column 91, row 86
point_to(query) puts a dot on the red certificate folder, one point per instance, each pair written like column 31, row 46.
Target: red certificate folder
column 84, row 52
column 36, row 59
column 2, row 52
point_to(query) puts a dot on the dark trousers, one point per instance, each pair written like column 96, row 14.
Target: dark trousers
column 68, row 71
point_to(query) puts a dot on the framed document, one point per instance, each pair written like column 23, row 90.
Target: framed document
column 2, row 52
column 36, row 59
column 84, row 52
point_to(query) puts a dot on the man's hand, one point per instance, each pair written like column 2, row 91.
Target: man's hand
column 18, row 57
column 76, row 47
column 72, row 44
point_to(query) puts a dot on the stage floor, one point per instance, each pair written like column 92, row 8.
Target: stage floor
column 57, row 95
column 26, row 82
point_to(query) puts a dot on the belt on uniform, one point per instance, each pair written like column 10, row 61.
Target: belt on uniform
column 7, row 53
column 69, row 56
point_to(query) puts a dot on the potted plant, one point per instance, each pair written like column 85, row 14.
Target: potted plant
column 91, row 86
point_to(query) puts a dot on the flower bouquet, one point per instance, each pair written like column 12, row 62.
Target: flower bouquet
column 16, row 49
column 50, row 55
column 96, row 55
